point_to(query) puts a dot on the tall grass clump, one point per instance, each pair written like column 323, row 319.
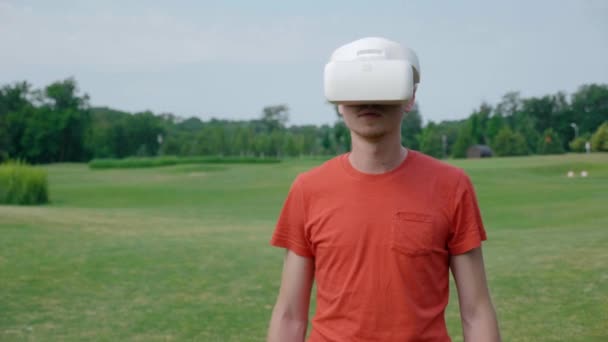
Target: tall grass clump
column 133, row 162
column 22, row 184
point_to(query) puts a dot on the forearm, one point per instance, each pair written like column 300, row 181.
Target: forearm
column 286, row 326
column 481, row 325
column 289, row 319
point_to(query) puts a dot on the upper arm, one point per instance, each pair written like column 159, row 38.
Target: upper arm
column 296, row 283
column 469, row 273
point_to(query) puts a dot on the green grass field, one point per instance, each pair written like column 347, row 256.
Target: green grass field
column 181, row 252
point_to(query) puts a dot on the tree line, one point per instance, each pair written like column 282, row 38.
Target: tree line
column 537, row 125
column 57, row 124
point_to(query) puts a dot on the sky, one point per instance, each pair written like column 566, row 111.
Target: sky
column 229, row 59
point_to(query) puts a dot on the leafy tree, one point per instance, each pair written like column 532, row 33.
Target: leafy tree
column 510, row 108
column 275, row 117
column 309, row 140
column 291, row 147
column 14, row 109
column 44, row 126
column 69, row 117
column 325, row 140
column 473, row 131
column 542, row 110
column 578, row 144
column 55, row 123
column 464, row 140
column 105, row 137
column 550, row 143
column 41, row 135
column 63, row 95
column 411, row 127
column 342, row 138
column 562, row 118
column 509, row 143
column 143, row 130
column 525, row 126
column 495, row 124
column 599, row 140
column 430, row 141
column 590, row 107
column 450, row 129
column 189, row 125
column 479, row 124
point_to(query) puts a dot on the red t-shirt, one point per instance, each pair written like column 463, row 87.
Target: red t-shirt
column 381, row 245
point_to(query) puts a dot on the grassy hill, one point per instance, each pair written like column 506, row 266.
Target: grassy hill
column 181, row 252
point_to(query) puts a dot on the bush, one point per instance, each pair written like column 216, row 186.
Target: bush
column 578, row 144
column 599, row 140
column 22, row 184
column 509, row 143
column 128, row 163
column 550, row 143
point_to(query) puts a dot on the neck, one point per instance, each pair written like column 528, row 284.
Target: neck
column 377, row 156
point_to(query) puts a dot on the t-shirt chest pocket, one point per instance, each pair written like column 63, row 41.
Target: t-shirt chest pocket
column 412, row 233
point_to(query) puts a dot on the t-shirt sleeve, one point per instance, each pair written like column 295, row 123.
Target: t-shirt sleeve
column 467, row 230
column 290, row 231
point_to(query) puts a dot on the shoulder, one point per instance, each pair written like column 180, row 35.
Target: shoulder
column 436, row 169
column 322, row 174
column 449, row 181
column 443, row 179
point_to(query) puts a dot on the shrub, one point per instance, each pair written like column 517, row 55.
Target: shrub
column 599, row 140
column 578, row 144
column 172, row 160
column 22, row 184
column 509, row 143
column 550, row 143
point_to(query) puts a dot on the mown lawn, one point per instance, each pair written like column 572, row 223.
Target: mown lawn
column 181, row 252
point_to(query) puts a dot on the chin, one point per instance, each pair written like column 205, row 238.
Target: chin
column 373, row 133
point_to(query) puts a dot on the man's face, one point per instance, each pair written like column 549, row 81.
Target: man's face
column 373, row 121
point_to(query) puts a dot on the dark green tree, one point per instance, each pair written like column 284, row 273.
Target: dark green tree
column 464, row 140
column 525, row 126
column 15, row 108
column 550, row 143
column 430, row 141
column 411, row 127
column 495, row 124
column 589, row 105
column 275, row 117
column 342, row 139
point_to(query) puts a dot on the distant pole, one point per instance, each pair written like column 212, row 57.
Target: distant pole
column 573, row 125
column 159, row 139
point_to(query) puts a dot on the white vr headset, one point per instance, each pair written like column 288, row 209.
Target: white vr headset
column 371, row 70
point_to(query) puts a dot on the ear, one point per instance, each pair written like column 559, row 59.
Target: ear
column 340, row 110
column 410, row 103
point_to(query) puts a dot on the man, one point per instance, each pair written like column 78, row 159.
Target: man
column 379, row 228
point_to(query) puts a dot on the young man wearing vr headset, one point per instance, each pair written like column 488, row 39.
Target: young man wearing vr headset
column 379, row 228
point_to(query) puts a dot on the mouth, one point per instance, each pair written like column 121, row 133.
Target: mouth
column 369, row 114
column 369, row 111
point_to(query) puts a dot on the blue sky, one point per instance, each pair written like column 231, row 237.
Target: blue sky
column 229, row 59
